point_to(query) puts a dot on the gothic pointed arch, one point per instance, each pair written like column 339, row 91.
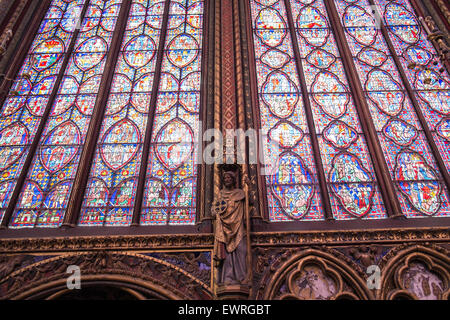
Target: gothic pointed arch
column 155, row 277
column 417, row 272
column 314, row 274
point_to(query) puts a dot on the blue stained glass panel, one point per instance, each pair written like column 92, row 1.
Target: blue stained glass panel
column 47, row 188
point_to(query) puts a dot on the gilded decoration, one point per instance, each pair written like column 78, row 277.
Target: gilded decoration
column 206, row 241
column 168, row 280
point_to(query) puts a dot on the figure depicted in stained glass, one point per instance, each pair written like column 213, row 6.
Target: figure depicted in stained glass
column 417, row 181
column 354, row 195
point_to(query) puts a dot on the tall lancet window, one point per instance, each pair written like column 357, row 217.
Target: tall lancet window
column 395, row 111
column 169, row 194
column 171, row 183
column 293, row 188
column 325, row 130
column 45, row 194
column 294, row 76
column 143, row 163
column 28, row 98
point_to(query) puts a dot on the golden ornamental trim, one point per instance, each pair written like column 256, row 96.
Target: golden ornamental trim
column 206, row 241
column 339, row 237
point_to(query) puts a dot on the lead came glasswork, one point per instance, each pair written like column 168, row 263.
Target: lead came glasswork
column 400, row 131
column 27, row 100
column 57, row 150
column 347, row 164
column 280, row 94
column 270, row 27
column 351, row 184
column 175, row 143
column 402, row 23
column 47, row 53
column 170, row 183
column 172, row 171
column 293, row 192
column 55, row 164
column 183, row 50
column 419, row 55
column 292, row 185
column 443, row 128
column 423, row 195
column 372, row 57
column 431, row 86
column 340, row 134
column 286, row 134
column 90, row 53
column 111, row 189
column 14, row 136
column 407, row 153
column 275, row 58
column 115, row 154
column 359, row 24
column 320, row 58
column 436, row 91
column 330, row 95
column 313, row 26
column 385, row 92
column 134, row 56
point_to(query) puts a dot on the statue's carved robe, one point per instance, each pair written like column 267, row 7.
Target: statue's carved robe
column 230, row 246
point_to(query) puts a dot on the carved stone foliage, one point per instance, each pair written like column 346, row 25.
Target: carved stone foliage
column 167, row 280
column 205, row 241
column 10, row 263
column 416, row 272
column 366, row 255
column 309, row 274
column 128, row 242
column 350, row 237
column 198, row 264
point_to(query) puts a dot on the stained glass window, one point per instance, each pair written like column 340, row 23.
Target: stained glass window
column 348, row 167
column 430, row 82
column 318, row 138
column 170, row 187
column 75, row 77
column 401, row 135
column 293, row 191
column 47, row 189
column 169, row 195
column 111, row 189
column 428, row 78
column 27, row 101
column 347, row 163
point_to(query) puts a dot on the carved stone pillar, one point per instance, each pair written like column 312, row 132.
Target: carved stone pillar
column 233, row 292
column 11, row 23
